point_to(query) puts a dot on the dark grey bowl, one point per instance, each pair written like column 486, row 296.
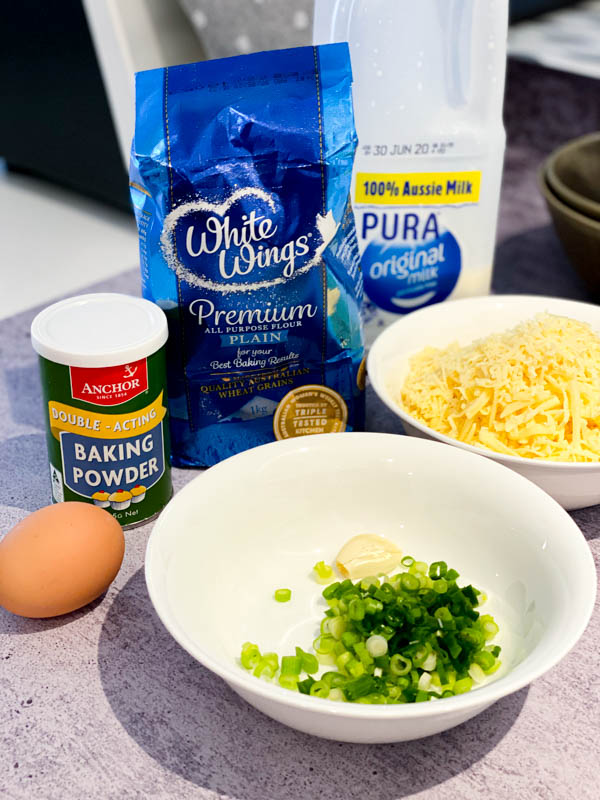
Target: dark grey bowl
column 573, row 173
column 579, row 235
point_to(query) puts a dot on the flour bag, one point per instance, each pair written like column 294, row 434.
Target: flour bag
column 240, row 178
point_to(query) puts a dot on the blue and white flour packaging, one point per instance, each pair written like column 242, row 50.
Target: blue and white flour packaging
column 240, row 179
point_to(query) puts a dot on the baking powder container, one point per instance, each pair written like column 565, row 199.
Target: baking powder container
column 102, row 364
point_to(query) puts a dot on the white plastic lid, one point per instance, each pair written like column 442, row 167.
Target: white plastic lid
column 99, row 330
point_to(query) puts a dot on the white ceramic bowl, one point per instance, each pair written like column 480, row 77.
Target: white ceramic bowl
column 572, row 485
column 260, row 521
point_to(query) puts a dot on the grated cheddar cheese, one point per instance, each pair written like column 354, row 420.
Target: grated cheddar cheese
column 533, row 391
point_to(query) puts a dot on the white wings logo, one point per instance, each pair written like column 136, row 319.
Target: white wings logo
column 239, row 251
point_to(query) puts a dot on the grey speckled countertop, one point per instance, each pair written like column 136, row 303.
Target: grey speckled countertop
column 102, row 703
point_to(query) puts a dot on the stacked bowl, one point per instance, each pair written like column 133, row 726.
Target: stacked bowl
column 570, row 182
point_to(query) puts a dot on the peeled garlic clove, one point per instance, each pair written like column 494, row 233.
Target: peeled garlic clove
column 367, row 554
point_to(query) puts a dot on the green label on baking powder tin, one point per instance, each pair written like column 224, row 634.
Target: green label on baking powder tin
column 108, row 436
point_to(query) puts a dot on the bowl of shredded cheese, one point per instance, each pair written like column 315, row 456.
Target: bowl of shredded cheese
column 515, row 378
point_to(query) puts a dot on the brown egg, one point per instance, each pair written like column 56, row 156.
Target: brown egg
column 58, row 559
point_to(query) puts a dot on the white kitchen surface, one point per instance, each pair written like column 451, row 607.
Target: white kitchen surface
column 55, row 242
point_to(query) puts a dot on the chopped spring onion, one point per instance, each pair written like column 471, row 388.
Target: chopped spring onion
column 291, row 665
column 337, row 626
column 424, row 682
column 331, row 590
column 310, row 664
column 477, row 673
column 484, row 659
column 268, row 665
column 333, row 679
column 356, row 609
column 319, row 689
column 283, row 595
column 400, row 665
column 323, row 572
column 463, row 685
column 377, row 645
column 371, row 580
column 430, row 662
column 304, row 686
column 490, row 629
column 324, row 644
column 250, row 655
column 289, row 682
column 408, row 638
column 409, row 582
column 438, row 569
